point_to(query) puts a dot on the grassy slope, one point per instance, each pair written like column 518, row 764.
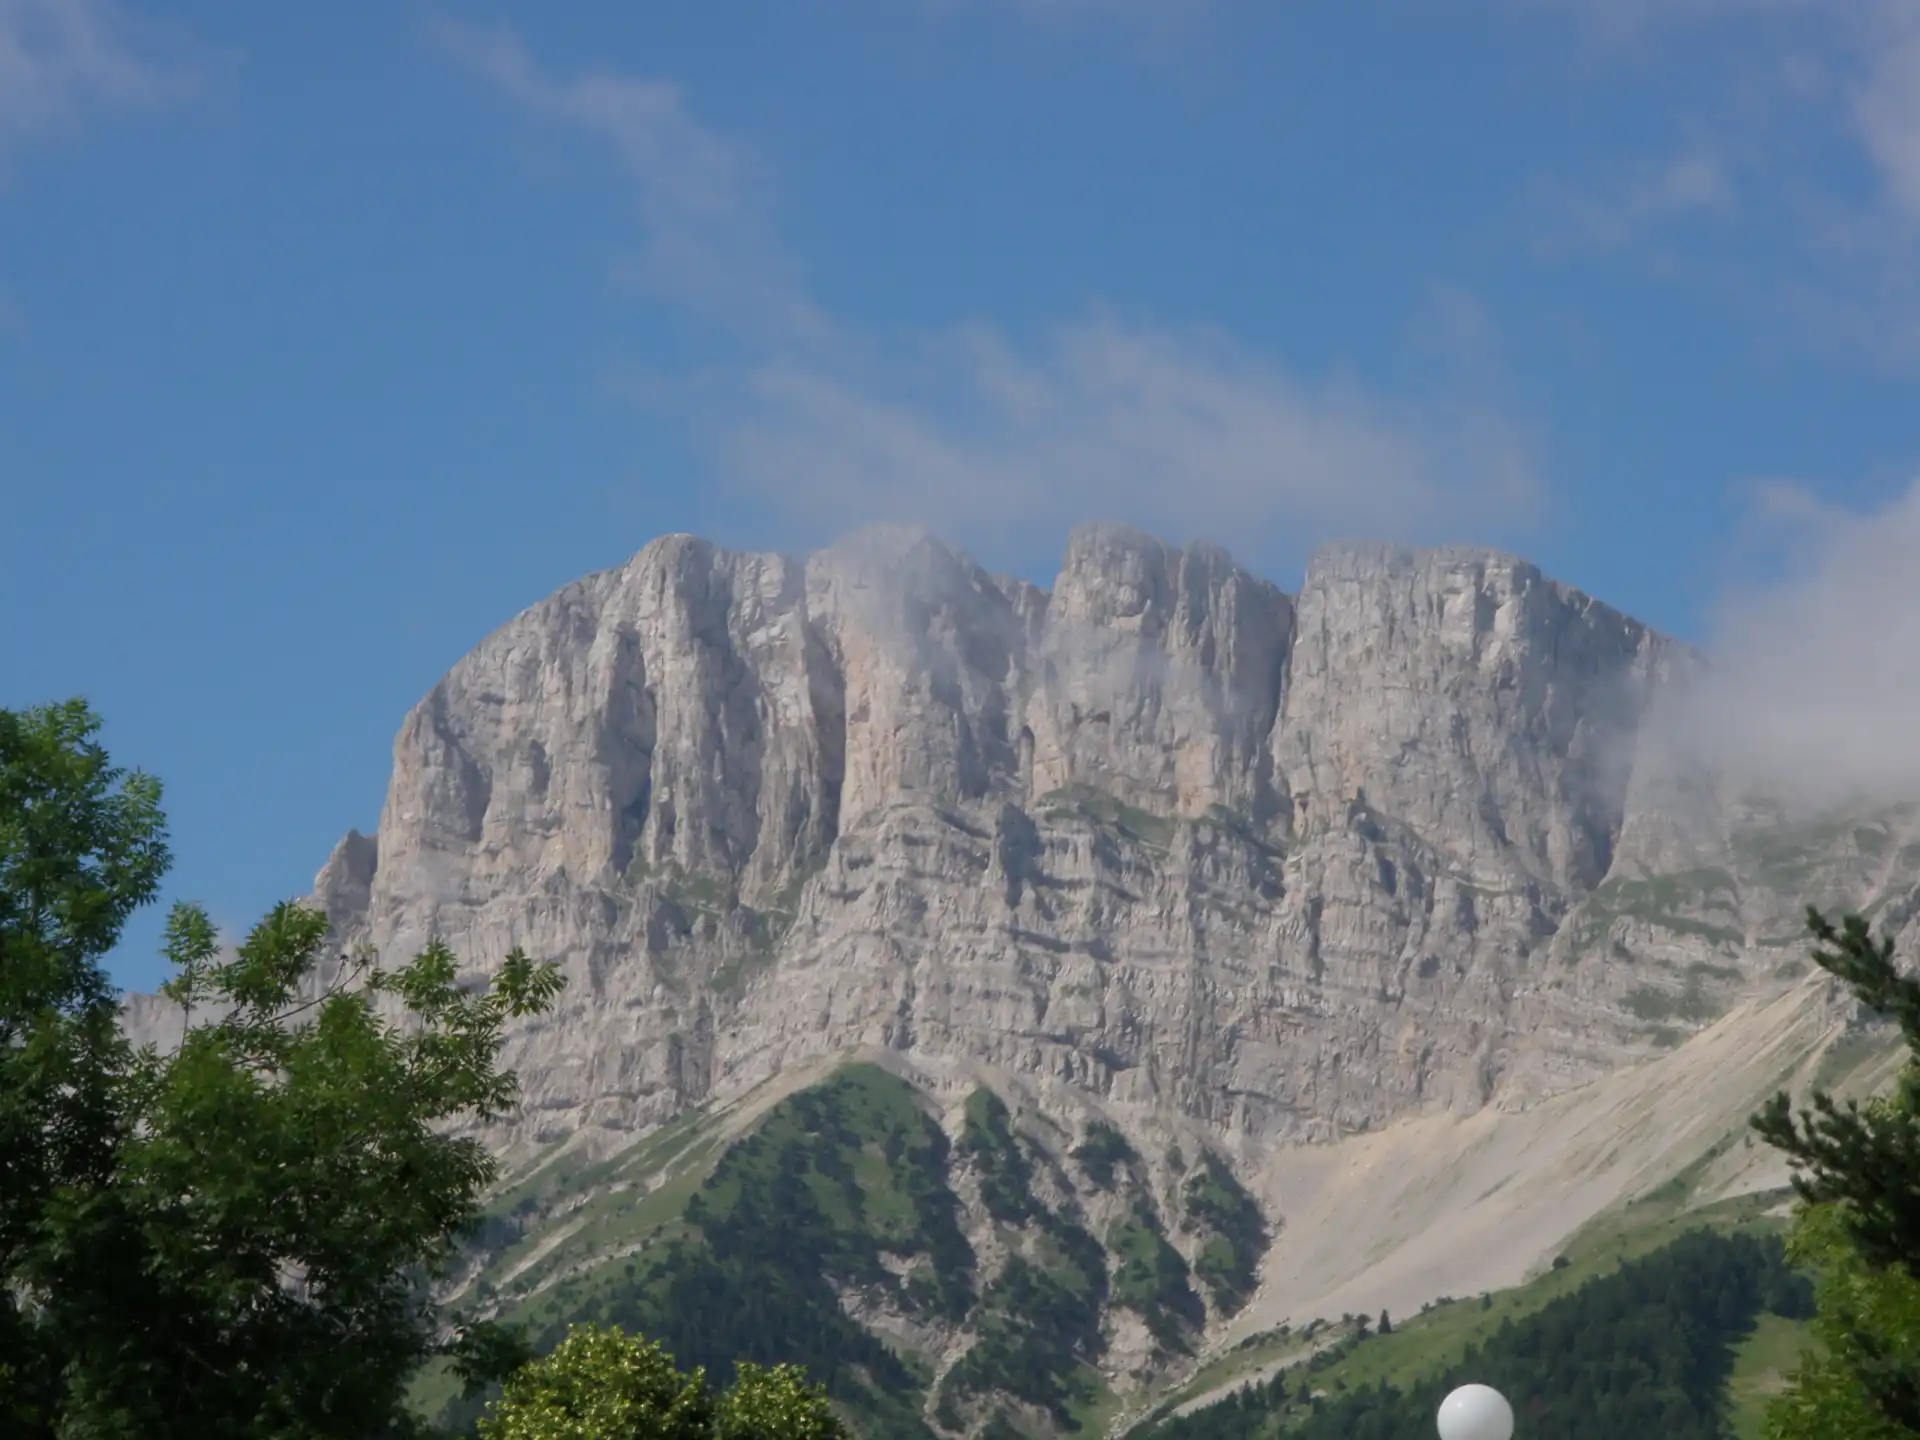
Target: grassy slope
column 629, row 1206
column 565, row 1211
column 850, row 1174
column 609, row 1217
column 1438, row 1337
column 611, row 1240
column 1425, row 1343
column 1760, row 1368
column 690, row 1236
column 589, row 1229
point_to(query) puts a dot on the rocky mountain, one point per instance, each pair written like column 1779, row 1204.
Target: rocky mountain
column 1284, row 864
column 1207, row 955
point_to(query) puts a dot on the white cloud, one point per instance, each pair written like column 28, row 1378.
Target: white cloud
column 1885, row 108
column 1570, row 219
column 1155, row 12
column 64, row 60
column 1185, row 434
column 709, row 241
column 1815, row 686
column 1786, row 78
column 980, row 435
column 1622, row 21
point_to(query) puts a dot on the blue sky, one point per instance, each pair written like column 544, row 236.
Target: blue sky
column 331, row 336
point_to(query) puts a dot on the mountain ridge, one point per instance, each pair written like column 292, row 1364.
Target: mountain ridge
column 1394, row 896
column 1183, row 645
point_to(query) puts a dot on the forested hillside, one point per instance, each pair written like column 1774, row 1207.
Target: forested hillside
column 976, row 1283
column 1648, row 1350
column 917, row 1276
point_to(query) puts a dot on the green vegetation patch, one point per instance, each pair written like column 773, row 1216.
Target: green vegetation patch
column 693, row 892
column 1218, row 1207
column 1037, row 1331
column 1151, row 1278
column 775, row 917
column 1037, row 1328
column 736, row 968
column 1689, row 1004
column 1686, row 902
column 1241, row 826
column 1653, row 896
column 767, row 927
column 844, row 1186
column 1083, row 802
column 1706, row 970
column 991, row 1148
column 1761, row 1364
column 1101, row 1154
column 1807, row 859
column 1647, row 1349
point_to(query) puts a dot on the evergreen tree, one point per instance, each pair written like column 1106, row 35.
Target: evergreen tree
column 1865, row 1159
column 1827, row 1398
column 1644, row 1351
column 1858, row 1177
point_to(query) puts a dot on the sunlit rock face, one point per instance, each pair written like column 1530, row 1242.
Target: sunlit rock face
column 1286, row 865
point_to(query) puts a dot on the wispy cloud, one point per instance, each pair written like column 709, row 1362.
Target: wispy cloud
column 1791, row 78
column 1183, row 433
column 1814, row 691
column 1884, row 105
column 1617, row 22
column 983, row 434
column 1815, row 688
column 701, row 200
column 1152, row 12
column 62, row 61
column 1569, row 218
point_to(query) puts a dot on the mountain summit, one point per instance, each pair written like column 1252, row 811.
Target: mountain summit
column 1253, row 953
column 1290, row 865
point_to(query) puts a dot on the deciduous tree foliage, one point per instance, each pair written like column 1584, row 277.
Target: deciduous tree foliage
column 601, row 1383
column 232, row 1239
column 775, row 1403
column 82, row 845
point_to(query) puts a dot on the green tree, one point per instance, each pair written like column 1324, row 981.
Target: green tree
column 234, row 1239
column 1865, row 1159
column 775, row 1403
column 82, row 846
column 1644, row 1351
column 600, row 1383
column 1857, row 1171
column 1828, row 1396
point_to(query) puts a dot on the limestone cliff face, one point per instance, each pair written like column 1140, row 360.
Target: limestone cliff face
column 1288, row 866
column 1472, row 699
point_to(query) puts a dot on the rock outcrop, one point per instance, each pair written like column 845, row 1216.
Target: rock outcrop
column 1163, row 853
column 1289, row 866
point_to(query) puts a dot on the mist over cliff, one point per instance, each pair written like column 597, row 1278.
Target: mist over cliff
column 1290, row 863
column 1417, row 907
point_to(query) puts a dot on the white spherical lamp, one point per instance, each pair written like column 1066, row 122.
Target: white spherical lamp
column 1476, row 1412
